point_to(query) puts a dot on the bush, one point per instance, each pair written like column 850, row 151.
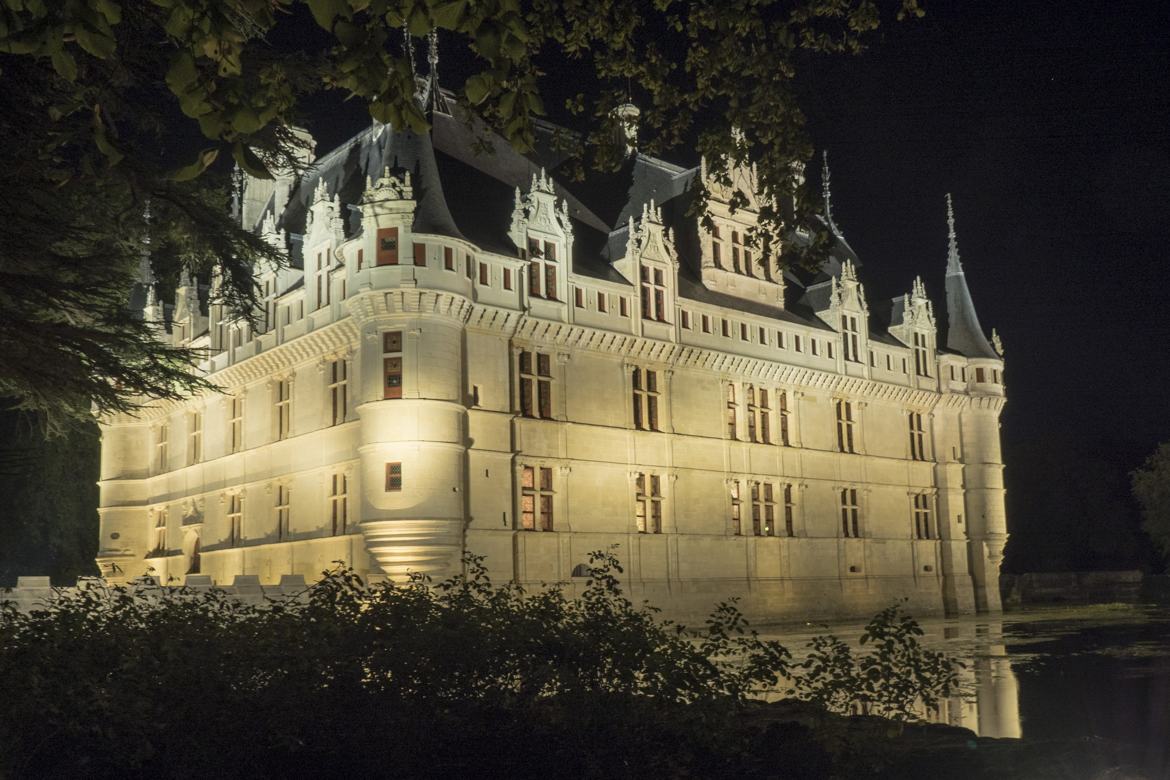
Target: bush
column 456, row 678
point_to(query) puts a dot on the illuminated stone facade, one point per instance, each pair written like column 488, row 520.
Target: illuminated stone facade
column 468, row 353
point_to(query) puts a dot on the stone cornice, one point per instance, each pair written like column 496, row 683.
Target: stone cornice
column 371, row 304
column 279, row 359
column 368, row 305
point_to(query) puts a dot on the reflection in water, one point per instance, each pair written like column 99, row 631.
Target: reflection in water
column 987, row 699
column 1094, row 673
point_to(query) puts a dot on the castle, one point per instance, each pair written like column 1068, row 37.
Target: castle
column 469, row 352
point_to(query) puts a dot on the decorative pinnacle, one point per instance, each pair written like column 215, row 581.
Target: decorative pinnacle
column 433, row 53
column 320, row 192
column 438, row 102
column 828, row 196
column 954, row 266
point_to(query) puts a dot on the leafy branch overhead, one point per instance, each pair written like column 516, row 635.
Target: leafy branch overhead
column 119, row 104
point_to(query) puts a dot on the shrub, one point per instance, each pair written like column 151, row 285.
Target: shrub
column 461, row 677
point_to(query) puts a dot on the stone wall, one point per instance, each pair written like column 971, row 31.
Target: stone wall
column 36, row 592
column 1083, row 587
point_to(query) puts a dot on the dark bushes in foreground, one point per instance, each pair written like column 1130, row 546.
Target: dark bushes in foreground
column 453, row 679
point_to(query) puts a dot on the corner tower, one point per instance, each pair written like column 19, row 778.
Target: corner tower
column 986, row 517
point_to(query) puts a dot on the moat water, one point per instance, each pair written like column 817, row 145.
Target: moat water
column 1099, row 673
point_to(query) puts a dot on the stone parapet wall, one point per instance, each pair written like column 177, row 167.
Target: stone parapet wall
column 33, row 593
column 1083, row 587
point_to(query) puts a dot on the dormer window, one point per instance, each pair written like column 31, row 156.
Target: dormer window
column 850, row 337
column 921, row 358
column 542, row 267
column 735, row 251
column 716, row 247
column 653, row 294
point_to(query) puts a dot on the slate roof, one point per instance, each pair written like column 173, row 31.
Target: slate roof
column 465, row 176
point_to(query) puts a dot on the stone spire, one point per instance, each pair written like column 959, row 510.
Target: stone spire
column 827, row 194
column 964, row 334
column 953, row 264
column 151, row 307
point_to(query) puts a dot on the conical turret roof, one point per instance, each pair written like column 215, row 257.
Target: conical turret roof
column 964, row 334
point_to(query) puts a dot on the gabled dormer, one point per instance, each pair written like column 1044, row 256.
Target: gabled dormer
column 324, row 231
column 912, row 322
column 187, row 319
column 268, row 275
column 651, row 264
column 848, row 313
column 730, row 263
column 324, row 221
column 387, row 214
column 543, row 236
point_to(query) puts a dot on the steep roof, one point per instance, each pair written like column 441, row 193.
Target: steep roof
column 964, row 334
column 465, row 176
column 346, row 169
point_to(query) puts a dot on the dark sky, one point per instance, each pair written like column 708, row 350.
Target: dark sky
column 1051, row 130
column 1050, row 124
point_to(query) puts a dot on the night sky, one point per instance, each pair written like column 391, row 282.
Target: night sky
column 1052, row 130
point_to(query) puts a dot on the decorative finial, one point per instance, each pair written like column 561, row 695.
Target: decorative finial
column 918, row 290
column 433, row 52
column 237, row 194
column 627, row 115
column 827, row 193
column 408, row 45
column 320, row 192
column 438, row 102
column 954, row 266
column 996, row 342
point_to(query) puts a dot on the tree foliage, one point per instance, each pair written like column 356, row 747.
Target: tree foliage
column 1151, row 487
column 112, row 106
column 456, row 679
column 49, row 525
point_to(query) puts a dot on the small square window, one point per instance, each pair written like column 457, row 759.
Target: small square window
column 393, row 477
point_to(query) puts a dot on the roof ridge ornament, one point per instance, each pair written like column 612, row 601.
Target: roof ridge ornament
column 954, row 266
column 627, row 116
column 438, row 103
column 827, row 194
